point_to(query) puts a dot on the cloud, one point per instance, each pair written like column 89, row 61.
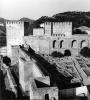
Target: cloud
column 37, row 8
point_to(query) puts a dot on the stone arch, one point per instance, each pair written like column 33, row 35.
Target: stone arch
column 61, row 43
column 83, row 43
column 74, row 44
column 54, row 43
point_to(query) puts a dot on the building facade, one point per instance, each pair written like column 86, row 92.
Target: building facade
column 57, row 36
column 47, row 45
column 61, row 29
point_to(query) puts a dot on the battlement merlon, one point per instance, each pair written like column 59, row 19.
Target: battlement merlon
column 14, row 22
column 61, row 23
column 47, row 23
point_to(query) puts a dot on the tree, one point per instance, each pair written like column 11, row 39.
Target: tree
column 7, row 60
column 85, row 51
column 78, row 31
column 67, row 52
column 56, row 54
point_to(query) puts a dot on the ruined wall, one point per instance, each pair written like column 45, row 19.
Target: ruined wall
column 39, row 44
column 32, row 41
column 27, row 69
column 42, row 93
column 15, row 33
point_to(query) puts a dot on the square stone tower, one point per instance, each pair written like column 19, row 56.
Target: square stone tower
column 14, row 34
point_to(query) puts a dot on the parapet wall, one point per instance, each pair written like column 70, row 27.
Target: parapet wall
column 58, row 29
column 47, row 45
column 14, row 22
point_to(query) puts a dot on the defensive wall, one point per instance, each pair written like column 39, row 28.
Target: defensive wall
column 74, row 43
column 62, row 29
column 54, row 36
column 47, row 45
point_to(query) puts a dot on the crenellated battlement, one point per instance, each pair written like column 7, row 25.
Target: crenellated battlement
column 62, row 24
column 58, row 24
column 14, row 22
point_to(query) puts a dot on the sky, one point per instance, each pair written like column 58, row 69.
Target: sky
column 34, row 9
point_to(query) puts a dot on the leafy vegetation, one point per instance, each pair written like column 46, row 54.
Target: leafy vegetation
column 85, row 51
column 67, row 52
column 57, row 54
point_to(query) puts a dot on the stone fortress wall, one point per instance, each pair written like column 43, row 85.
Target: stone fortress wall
column 57, row 36
column 60, row 29
column 47, row 45
column 74, row 43
column 54, row 36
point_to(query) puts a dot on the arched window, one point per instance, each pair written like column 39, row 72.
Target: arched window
column 83, row 43
column 61, row 43
column 54, row 43
column 74, row 44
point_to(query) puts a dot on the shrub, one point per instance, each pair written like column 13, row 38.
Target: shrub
column 7, row 60
column 56, row 54
column 85, row 51
column 67, row 52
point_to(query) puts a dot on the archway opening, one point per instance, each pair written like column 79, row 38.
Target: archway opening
column 83, row 44
column 54, row 43
column 74, row 44
column 61, row 43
